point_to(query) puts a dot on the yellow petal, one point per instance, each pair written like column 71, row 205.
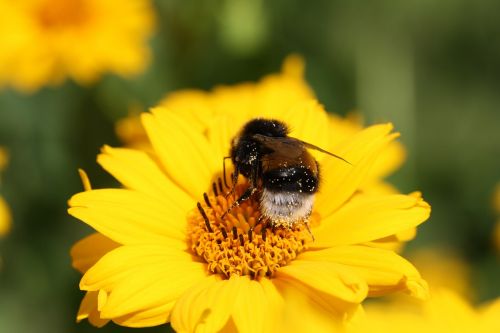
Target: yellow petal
column 205, row 307
column 147, row 318
column 137, row 171
column 129, row 217
column 275, row 299
column 88, row 310
column 277, row 93
column 326, row 313
column 123, row 261
column 191, row 104
column 327, row 278
column 153, row 287
column 389, row 160
column 185, row 153
column 141, row 278
column 344, row 127
column 85, row 180
column 302, row 315
column 308, row 121
column 253, row 310
column 220, row 132
column 384, row 271
column 406, row 235
column 377, row 188
column 237, row 101
column 340, row 179
column 370, row 218
column 102, row 299
column 86, row 252
column 259, row 312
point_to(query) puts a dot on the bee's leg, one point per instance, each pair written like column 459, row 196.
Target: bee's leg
column 309, row 229
column 234, row 181
column 245, row 196
column 261, row 220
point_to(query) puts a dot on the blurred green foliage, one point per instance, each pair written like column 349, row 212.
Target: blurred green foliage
column 431, row 67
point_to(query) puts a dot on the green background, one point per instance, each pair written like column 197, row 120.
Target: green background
column 431, row 67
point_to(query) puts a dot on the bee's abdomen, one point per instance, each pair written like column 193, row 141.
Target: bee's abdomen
column 291, row 179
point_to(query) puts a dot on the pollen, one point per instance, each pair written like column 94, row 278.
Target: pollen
column 241, row 243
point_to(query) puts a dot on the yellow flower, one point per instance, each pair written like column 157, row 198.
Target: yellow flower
column 5, row 217
column 163, row 264
column 496, row 207
column 444, row 312
column 157, row 259
column 43, row 42
column 443, row 268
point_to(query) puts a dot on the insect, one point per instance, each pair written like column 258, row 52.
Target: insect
column 279, row 169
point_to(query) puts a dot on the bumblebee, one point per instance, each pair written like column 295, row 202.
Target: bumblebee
column 279, row 169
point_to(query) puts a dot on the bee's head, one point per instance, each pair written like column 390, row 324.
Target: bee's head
column 245, row 150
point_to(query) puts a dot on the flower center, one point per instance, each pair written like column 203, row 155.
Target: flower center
column 62, row 13
column 240, row 243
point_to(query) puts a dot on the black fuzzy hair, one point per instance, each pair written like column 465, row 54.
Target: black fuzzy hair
column 267, row 127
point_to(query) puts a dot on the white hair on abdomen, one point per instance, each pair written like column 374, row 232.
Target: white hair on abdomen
column 286, row 208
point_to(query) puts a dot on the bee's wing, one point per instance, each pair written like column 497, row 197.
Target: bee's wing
column 284, row 146
column 290, row 147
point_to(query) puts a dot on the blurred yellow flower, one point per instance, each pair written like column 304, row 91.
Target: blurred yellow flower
column 496, row 206
column 5, row 217
column 496, row 199
column 444, row 312
column 43, row 42
column 273, row 92
column 443, row 268
column 154, row 260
